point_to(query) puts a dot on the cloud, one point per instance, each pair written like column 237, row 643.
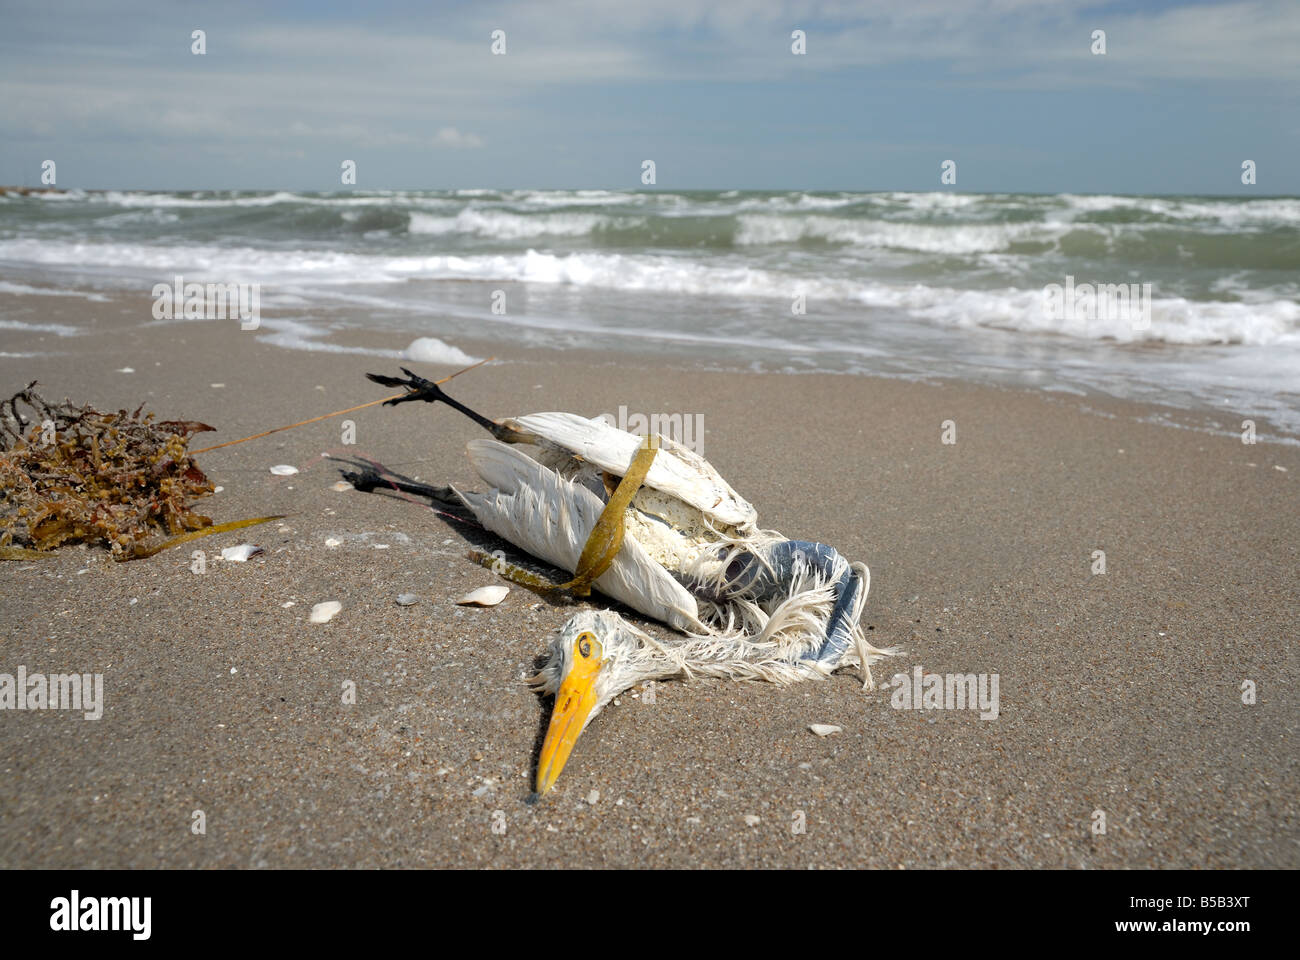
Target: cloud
column 451, row 137
column 585, row 84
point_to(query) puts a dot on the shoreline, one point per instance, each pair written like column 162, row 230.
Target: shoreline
column 370, row 345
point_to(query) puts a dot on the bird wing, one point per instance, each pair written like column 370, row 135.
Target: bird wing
column 677, row 470
column 540, row 512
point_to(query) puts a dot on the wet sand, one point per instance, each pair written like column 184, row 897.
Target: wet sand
column 1119, row 692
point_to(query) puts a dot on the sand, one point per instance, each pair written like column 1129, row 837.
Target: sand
column 1120, row 693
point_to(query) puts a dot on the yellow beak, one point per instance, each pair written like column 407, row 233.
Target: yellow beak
column 573, row 705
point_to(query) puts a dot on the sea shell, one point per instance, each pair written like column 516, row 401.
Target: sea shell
column 824, row 729
column 240, row 553
column 488, row 596
column 284, row 470
column 752, row 821
column 325, row 612
column 341, row 486
column 407, row 599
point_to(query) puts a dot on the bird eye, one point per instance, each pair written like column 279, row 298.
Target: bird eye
column 584, row 646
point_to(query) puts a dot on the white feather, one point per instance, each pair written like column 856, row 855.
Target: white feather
column 549, row 517
column 676, row 470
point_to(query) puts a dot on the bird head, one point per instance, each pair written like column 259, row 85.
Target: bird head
column 594, row 657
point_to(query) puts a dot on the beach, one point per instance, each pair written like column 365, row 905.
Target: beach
column 1121, row 693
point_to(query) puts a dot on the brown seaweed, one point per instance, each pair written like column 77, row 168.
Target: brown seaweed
column 71, row 474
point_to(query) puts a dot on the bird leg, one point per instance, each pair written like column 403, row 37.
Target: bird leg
column 370, row 479
column 421, row 389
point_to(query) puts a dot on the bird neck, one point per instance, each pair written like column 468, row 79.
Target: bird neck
column 721, row 658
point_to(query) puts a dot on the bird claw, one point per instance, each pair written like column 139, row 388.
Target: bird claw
column 365, row 481
column 419, row 388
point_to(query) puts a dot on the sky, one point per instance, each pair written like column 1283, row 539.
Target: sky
column 710, row 90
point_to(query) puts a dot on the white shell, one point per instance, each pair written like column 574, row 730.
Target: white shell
column 240, row 553
column 824, row 729
column 488, row 596
column 325, row 612
column 284, row 470
column 752, row 821
column 341, row 486
column 407, row 599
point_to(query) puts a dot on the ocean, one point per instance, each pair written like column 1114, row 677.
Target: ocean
column 1201, row 304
